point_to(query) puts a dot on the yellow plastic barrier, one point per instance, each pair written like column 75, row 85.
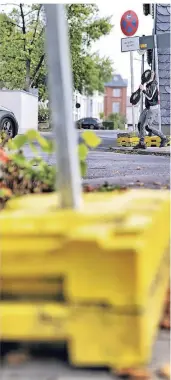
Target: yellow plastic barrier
column 109, row 266
column 123, row 141
column 151, row 141
column 155, row 141
column 95, row 335
column 129, row 141
column 40, row 216
column 101, row 256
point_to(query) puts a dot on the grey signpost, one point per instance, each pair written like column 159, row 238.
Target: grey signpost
column 132, row 87
column 142, row 71
column 61, row 92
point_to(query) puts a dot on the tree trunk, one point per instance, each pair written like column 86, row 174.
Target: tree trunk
column 27, row 81
column 38, row 67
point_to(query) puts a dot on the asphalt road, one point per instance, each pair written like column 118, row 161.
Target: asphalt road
column 57, row 367
column 108, row 137
column 128, row 169
column 121, row 169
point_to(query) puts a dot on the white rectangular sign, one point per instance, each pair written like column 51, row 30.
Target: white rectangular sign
column 129, row 44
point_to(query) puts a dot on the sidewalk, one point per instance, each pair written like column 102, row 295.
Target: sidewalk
column 149, row 151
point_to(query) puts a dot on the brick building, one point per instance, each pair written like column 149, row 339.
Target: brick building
column 115, row 98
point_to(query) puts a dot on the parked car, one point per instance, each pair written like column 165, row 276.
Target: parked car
column 89, row 123
column 8, row 122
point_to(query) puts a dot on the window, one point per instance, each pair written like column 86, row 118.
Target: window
column 116, row 92
column 115, row 107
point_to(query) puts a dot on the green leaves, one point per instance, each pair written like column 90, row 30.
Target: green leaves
column 46, row 145
column 44, row 114
column 82, row 154
column 90, row 72
column 11, row 145
column 33, row 148
column 19, row 160
column 91, row 139
column 25, row 176
column 32, row 135
column 82, row 151
column 83, row 167
column 19, row 141
column 119, row 120
column 19, row 51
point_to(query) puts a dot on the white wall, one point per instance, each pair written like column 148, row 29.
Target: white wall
column 24, row 106
column 12, row 100
column 29, row 111
column 79, row 113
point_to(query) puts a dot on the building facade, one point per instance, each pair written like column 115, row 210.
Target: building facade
column 162, row 24
column 90, row 106
column 115, row 97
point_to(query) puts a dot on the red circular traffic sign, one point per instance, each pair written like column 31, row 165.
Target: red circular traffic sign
column 129, row 23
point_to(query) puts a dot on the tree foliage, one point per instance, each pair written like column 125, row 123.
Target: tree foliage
column 118, row 119
column 22, row 35
column 22, row 46
column 85, row 27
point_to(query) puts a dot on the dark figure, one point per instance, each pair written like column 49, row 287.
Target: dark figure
column 149, row 113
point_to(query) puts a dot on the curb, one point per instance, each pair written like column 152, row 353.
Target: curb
column 140, row 151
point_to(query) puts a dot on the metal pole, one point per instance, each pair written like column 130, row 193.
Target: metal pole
column 60, row 91
column 132, row 86
column 156, row 66
column 142, row 71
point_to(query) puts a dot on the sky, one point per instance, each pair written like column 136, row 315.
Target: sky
column 111, row 45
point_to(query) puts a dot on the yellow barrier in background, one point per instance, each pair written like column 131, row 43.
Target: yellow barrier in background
column 151, row 141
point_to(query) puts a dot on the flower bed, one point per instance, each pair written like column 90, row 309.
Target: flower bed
column 20, row 176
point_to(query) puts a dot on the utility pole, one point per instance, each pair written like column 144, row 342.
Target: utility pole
column 142, row 71
column 132, row 86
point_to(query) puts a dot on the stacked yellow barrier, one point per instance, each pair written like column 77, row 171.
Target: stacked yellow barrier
column 128, row 141
column 155, row 141
column 96, row 278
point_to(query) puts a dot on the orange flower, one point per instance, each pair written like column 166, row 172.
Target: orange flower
column 8, row 192
column 5, row 192
column 3, row 156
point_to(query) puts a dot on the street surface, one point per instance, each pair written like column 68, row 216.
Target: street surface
column 108, row 137
column 119, row 169
column 127, row 169
column 58, row 368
